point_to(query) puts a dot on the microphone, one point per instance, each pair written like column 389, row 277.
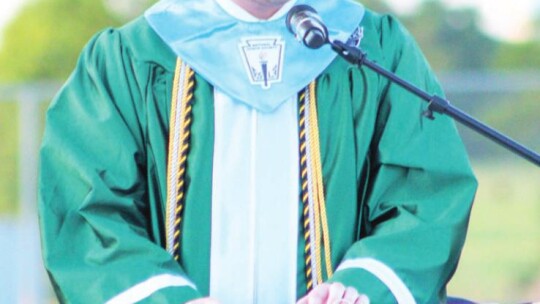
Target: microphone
column 306, row 24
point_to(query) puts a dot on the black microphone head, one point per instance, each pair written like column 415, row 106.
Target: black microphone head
column 295, row 13
column 305, row 23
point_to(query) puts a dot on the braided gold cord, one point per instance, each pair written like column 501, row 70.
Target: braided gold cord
column 320, row 204
column 317, row 238
column 313, row 186
column 186, row 110
column 304, row 188
column 176, row 86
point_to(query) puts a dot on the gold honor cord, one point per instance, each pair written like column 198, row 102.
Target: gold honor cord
column 312, row 190
column 312, row 186
column 320, row 204
column 179, row 144
column 304, row 193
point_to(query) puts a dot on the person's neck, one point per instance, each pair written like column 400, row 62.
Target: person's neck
column 259, row 10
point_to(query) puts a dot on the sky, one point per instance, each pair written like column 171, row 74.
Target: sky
column 8, row 10
column 504, row 19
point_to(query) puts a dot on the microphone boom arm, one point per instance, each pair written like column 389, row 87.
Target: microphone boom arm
column 437, row 104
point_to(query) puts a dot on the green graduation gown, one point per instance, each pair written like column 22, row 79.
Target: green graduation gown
column 398, row 186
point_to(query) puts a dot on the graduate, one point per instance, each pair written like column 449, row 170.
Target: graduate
column 202, row 154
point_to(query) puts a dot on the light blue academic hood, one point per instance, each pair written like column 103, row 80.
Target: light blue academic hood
column 258, row 63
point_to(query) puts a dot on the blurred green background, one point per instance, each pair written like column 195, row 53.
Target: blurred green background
column 494, row 80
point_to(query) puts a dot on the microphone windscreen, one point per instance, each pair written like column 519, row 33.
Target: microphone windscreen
column 305, row 23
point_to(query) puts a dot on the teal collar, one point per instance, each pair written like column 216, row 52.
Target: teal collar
column 258, row 63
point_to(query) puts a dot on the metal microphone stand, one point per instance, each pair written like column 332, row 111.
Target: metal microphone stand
column 437, row 104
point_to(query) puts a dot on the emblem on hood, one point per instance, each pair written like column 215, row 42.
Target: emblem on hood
column 263, row 59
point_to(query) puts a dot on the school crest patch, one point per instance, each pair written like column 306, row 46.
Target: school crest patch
column 263, row 59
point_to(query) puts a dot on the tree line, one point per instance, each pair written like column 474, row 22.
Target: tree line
column 44, row 41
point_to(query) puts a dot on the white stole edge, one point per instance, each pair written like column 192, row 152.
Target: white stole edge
column 385, row 274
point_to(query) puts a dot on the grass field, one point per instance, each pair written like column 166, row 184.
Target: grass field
column 501, row 259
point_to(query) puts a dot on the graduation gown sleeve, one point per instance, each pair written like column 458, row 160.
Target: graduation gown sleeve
column 420, row 186
column 93, row 203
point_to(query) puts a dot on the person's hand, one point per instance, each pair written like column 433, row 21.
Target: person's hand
column 334, row 293
column 204, row 301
